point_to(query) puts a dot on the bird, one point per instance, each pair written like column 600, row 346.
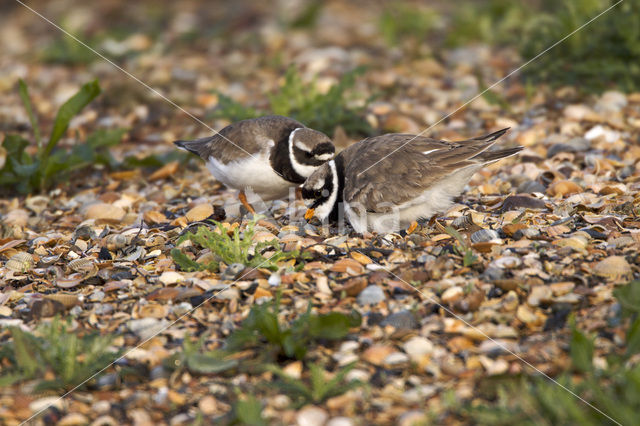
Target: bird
column 267, row 155
column 386, row 183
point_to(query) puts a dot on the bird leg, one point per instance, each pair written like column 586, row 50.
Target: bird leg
column 243, row 199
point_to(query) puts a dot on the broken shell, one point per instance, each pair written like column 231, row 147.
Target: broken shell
column 507, row 262
column 563, row 188
column 613, row 267
column 68, row 300
column 85, row 265
column 463, row 222
column 48, row 261
column 155, row 240
column 484, row 235
column 199, row 212
column 116, row 242
column 37, row 204
column 20, row 262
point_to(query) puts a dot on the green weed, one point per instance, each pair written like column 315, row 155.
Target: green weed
column 604, row 55
column 462, row 248
column 236, row 248
column 263, row 326
column 305, row 103
column 71, row 357
column 27, row 173
column 402, row 21
column 494, row 22
column 317, row 389
column 614, row 389
column 192, row 357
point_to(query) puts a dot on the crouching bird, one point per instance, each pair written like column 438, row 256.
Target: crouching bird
column 385, row 183
column 267, row 155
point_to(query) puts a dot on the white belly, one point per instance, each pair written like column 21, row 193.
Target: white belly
column 251, row 174
column 437, row 198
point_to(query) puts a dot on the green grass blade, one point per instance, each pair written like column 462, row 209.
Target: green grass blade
column 67, row 111
column 24, row 94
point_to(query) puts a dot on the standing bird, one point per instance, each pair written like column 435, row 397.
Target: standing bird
column 268, row 155
column 387, row 182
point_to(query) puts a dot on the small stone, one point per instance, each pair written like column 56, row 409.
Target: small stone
column 199, row 212
column 340, row 421
column 417, row 347
column 208, row 405
column 401, row 320
column 412, row 418
column 372, row 295
column 16, row 217
column 170, row 277
column 531, row 186
column 311, row 416
column 539, row 294
column 105, row 211
column 146, row 327
column 96, row 296
column 396, row 358
column 452, row 295
column 376, row 354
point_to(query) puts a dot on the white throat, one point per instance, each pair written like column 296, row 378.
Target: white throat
column 302, row 169
column 324, row 210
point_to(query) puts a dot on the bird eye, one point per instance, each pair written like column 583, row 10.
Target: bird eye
column 325, row 193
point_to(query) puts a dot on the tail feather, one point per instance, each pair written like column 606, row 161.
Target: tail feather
column 492, row 136
column 196, row 146
column 491, row 156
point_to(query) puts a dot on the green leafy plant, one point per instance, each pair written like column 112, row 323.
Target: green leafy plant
column 614, row 389
column 263, row 326
column 339, row 106
column 317, row 389
column 248, row 411
column 26, row 173
column 231, row 110
column 495, row 22
column 236, row 248
column 403, row 21
column 604, row 55
column 194, row 358
column 462, row 248
column 53, row 348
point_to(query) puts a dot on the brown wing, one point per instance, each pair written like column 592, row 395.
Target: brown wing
column 396, row 168
column 242, row 139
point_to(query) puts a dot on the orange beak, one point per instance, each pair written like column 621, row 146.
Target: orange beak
column 309, row 214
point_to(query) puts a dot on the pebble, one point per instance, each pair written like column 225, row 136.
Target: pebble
column 417, row 347
column 170, row 277
column 371, row 295
column 412, row 418
column 539, row 294
column 96, row 296
column 146, row 327
column 396, row 358
column 531, row 186
column 16, row 217
column 401, row 320
column 105, row 211
column 452, row 294
column 73, row 419
column 340, row 421
column 199, row 212
column 46, row 402
column 311, row 416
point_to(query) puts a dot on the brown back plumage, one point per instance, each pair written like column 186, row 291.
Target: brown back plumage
column 417, row 164
column 249, row 137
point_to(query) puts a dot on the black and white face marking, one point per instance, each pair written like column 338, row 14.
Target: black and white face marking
column 320, row 191
column 309, row 149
